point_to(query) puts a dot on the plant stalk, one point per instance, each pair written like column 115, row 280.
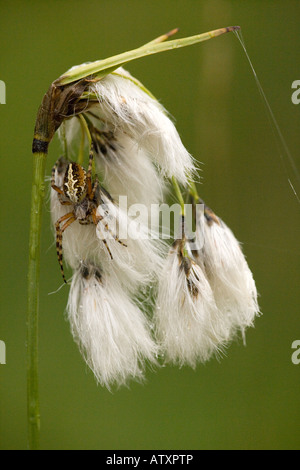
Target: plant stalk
column 37, row 198
column 55, row 106
column 178, row 195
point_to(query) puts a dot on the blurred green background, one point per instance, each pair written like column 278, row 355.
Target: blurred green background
column 250, row 399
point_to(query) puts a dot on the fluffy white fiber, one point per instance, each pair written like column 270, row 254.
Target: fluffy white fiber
column 122, row 164
column 205, row 295
column 203, row 303
column 111, row 331
column 127, row 107
column 141, row 260
column 188, row 324
column 127, row 170
column 230, row 277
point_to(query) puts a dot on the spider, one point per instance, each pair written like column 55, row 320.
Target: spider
column 78, row 191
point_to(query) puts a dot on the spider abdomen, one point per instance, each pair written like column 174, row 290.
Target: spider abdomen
column 75, row 186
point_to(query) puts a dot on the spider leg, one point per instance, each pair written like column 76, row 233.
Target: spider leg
column 67, row 223
column 69, row 218
column 63, row 202
column 91, row 157
column 113, row 235
column 89, row 173
column 95, row 186
column 96, row 220
column 107, row 247
column 53, row 185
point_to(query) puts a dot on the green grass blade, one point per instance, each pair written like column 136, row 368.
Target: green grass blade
column 101, row 68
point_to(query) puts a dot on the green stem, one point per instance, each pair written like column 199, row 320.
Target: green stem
column 37, row 198
column 85, row 123
column 193, row 191
column 178, row 194
column 64, row 138
column 81, row 147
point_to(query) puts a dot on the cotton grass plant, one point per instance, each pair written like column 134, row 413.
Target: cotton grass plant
column 200, row 294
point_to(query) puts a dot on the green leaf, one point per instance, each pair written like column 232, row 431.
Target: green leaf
column 101, row 68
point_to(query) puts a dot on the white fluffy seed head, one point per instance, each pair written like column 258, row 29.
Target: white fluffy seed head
column 127, row 107
column 112, row 333
column 187, row 322
column 229, row 275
